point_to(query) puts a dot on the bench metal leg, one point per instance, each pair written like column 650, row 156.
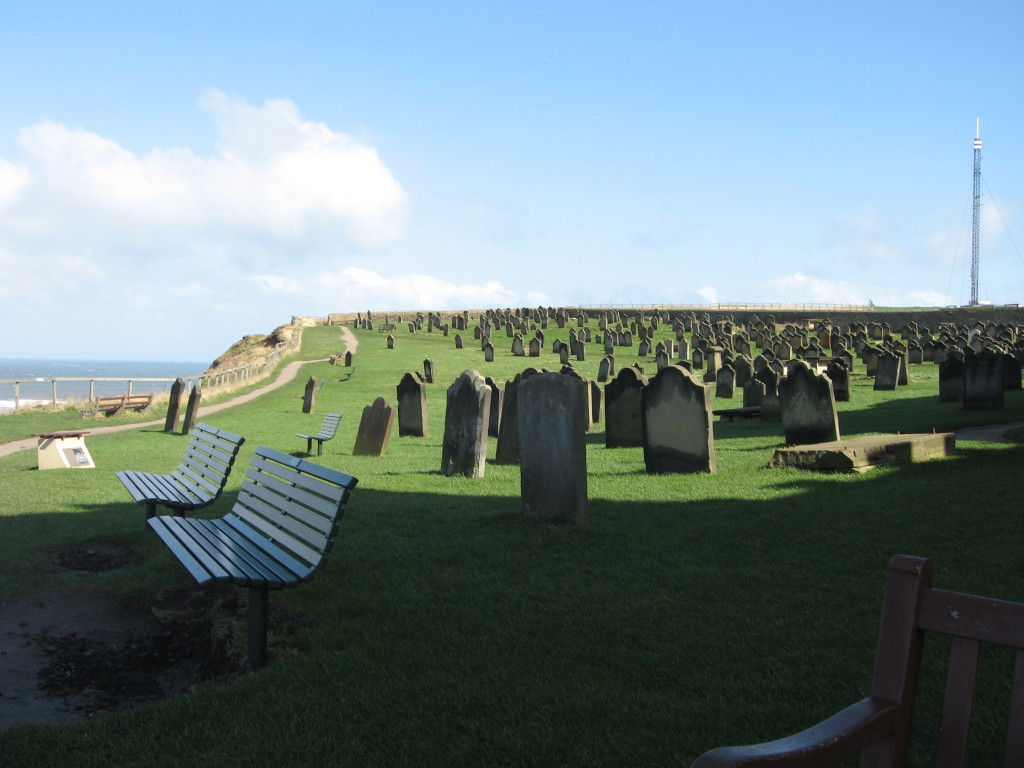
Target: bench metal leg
column 257, row 652
column 309, row 446
column 319, row 447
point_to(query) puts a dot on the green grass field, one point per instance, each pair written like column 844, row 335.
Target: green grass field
column 449, row 630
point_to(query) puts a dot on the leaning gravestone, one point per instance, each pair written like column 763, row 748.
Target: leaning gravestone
column 374, row 429
column 428, row 371
column 174, row 405
column 677, row 423
column 309, row 398
column 622, row 409
column 464, row 448
column 412, row 406
column 195, row 397
column 553, row 448
column 808, row 407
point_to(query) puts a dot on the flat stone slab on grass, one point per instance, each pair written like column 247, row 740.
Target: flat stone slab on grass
column 859, row 454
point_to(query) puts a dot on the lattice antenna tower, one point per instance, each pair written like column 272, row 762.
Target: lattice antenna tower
column 976, row 223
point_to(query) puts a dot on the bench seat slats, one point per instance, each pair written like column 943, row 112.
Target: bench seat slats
column 295, row 570
column 197, row 481
column 327, row 431
column 313, row 510
column 248, row 508
column 183, row 547
column 277, row 534
column 262, row 507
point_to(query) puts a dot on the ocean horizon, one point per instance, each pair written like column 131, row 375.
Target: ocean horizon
column 35, row 386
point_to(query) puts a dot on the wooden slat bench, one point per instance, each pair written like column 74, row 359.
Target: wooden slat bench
column 878, row 727
column 114, row 405
column 199, row 478
column 327, row 431
column 277, row 534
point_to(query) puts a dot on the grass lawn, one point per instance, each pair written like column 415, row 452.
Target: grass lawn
column 448, row 630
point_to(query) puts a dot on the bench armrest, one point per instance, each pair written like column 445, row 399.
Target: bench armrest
column 824, row 745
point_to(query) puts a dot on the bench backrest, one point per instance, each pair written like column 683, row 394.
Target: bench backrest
column 290, row 508
column 208, row 458
column 330, row 426
column 914, row 608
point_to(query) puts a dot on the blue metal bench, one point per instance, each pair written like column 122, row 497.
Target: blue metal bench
column 199, row 479
column 327, row 431
column 277, row 535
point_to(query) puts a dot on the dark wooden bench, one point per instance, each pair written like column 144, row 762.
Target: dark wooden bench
column 878, row 727
column 388, row 327
column 114, row 405
column 277, row 534
column 731, row 414
column 327, row 431
column 199, row 478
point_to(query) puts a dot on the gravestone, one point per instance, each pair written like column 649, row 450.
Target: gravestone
column 534, row 347
column 391, row 341
column 951, row 376
column 174, row 405
column 464, row 448
column 623, row 397
column 839, row 375
column 412, row 406
column 428, row 371
column 887, row 371
column 507, row 450
column 488, row 352
column 517, row 346
column 1011, row 373
column 374, row 429
column 983, row 380
column 808, row 407
column 309, row 398
column 725, row 381
column 677, row 423
column 195, row 397
column 553, row 448
column 605, row 368
column 596, row 398
column 497, row 400
column 753, row 393
column 458, row 341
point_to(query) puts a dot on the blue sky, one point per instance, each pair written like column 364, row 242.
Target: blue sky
column 174, row 176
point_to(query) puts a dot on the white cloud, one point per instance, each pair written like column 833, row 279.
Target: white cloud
column 356, row 288
column 708, row 293
column 274, row 175
column 867, row 232
column 799, row 288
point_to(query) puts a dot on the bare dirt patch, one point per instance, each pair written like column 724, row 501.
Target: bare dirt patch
column 76, row 652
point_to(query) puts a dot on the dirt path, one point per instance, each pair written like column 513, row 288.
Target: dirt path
column 287, row 374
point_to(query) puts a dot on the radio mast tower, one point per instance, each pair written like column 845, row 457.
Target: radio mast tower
column 976, row 225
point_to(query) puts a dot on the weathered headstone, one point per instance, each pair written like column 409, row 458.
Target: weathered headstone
column 507, row 450
column 839, row 375
column 623, row 398
column 677, row 423
column 195, row 397
column 374, row 429
column 309, row 398
column 174, row 405
column 725, row 381
column 391, row 341
column 428, row 371
column 497, row 400
column 983, row 380
column 553, row 448
column 887, row 371
column 464, row 448
column 488, row 352
column 412, row 406
column 458, row 341
column 808, row 407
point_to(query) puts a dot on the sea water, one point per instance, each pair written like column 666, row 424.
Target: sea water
column 35, row 375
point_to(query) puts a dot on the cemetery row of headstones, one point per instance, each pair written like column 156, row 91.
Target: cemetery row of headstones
column 723, row 348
